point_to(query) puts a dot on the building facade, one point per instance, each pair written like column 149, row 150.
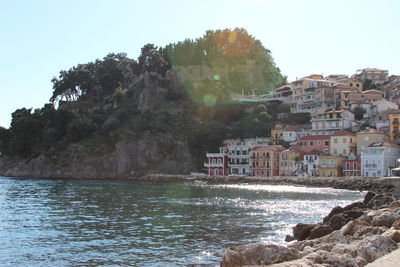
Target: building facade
column 314, row 142
column 265, row 160
column 367, row 137
column 343, row 143
column 351, row 167
column 378, row 159
column 329, row 121
column 217, row 163
column 330, row 166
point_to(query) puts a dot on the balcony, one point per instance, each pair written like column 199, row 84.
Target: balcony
column 371, row 165
column 207, row 164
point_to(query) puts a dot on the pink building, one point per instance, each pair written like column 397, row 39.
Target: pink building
column 264, row 160
column 351, row 167
column 217, row 163
column 309, row 143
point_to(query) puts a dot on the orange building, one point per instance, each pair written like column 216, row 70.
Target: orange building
column 264, row 160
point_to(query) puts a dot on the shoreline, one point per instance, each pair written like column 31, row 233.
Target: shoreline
column 378, row 185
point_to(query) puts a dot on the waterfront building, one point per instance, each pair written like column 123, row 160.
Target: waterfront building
column 287, row 165
column 351, row 167
column 368, row 136
column 330, row 166
column 265, row 160
column 239, row 154
column 311, row 162
column 326, row 122
column 378, row 159
column 394, row 124
column 314, row 142
column 217, row 163
column 343, row 143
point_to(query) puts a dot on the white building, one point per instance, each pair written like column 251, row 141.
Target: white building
column 293, row 132
column 311, row 161
column 239, row 154
column 378, row 159
column 326, row 122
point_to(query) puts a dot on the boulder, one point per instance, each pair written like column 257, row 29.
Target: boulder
column 368, row 197
column 374, row 247
column 302, row 230
column 334, row 211
column 319, row 231
column 258, row 254
column 396, row 224
column 393, row 234
column 321, row 258
column 394, row 204
column 349, row 228
column 289, row 238
column 380, row 201
column 349, row 249
column 385, row 219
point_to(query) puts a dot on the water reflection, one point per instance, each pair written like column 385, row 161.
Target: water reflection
column 87, row 222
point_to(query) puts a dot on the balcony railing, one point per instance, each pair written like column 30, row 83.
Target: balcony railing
column 371, row 165
column 207, row 164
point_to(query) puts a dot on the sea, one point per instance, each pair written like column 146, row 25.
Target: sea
column 75, row 222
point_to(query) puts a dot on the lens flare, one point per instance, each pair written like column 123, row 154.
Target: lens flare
column 210, row 100
column 217, row 77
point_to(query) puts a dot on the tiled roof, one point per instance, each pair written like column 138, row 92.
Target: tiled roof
column 314, row 152
column 382, row 144
column 372, row 91
column 343, row 133
column 314, row 137
column 293, row 128
column 370, row 131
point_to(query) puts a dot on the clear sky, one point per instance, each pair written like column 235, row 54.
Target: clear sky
column 41, row 37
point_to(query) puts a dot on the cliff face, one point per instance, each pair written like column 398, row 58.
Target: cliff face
column 145, row 155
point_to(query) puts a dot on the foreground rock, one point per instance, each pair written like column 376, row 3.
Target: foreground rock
column 354, row 235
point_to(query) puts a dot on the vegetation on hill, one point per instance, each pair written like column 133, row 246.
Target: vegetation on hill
column 117, row 99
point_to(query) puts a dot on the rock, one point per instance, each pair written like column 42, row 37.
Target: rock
column 334, row 211
column 319, row 231
column 258, row 254
column 361, row 230
column 374, row 247
column 385, row 219
column 321, row 258
column 345, row 249
column 396, row 224
column 361, row 261
column 379, row 201
column 348, row 229
column 302, row 230
column 289, row 238
column 368, row 197
column 394, row 204
column 393, row 234
column 337, row 221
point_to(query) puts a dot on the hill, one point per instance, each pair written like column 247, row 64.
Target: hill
column 118, row 117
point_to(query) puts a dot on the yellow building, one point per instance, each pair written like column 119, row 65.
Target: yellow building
column 343, row 143
column 277, row 132
column 330, row 166
column 367, row 137
column 394, row 124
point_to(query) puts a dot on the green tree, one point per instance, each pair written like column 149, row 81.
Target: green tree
column 359, row 113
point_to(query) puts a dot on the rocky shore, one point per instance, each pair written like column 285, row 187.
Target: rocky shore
column 354, row 235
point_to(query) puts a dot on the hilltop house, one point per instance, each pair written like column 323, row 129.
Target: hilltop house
column 328, row 121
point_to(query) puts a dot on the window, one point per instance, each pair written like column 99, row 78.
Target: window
column 335, row 140
column 311, row 143
column 331, row 173
column 319, row 142
column 344, row 151
column 326, row 143
column 213, row 161
column 219, row 161
column 347, row 165
column 335, row 151
column 344, row 139
column 354, row 165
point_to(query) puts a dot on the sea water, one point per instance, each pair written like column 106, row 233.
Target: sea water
column 125, row 223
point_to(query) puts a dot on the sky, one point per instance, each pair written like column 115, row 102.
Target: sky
column 39, row 38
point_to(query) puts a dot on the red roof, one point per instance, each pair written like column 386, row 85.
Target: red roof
column 293, row 128
column 343, row 133
column 382, row 144
column 313, row 152
column 314, row 137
